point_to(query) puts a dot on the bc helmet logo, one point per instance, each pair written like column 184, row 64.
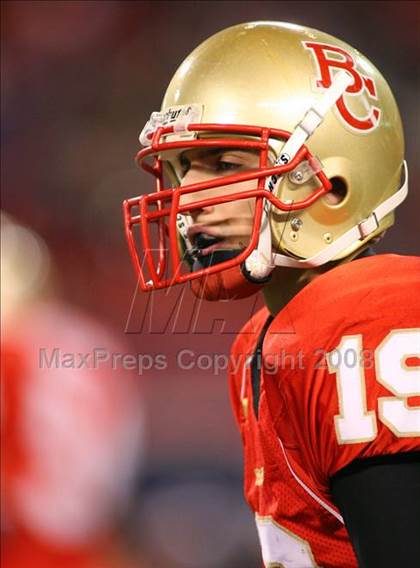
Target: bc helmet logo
column 329, row 57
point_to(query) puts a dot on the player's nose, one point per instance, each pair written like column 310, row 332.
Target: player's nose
column 193, row 197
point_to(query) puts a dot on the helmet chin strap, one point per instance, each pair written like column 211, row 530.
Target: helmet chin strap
column 262, row 260
column 357, row 233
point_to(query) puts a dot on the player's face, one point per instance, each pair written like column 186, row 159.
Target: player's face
column 226, row 225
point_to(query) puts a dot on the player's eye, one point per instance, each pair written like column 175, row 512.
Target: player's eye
column 225, row 166
column 216, row 164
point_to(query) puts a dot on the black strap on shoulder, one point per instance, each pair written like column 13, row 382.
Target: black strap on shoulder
column 369, row 251
column 256, row 365
column 379, row 499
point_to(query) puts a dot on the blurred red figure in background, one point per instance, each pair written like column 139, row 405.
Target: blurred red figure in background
column 71, row 426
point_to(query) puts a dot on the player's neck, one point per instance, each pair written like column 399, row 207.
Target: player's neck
column 285, row 283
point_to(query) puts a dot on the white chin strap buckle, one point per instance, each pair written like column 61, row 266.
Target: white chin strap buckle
column 257, row 269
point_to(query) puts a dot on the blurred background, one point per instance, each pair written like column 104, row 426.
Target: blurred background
column 104, row 465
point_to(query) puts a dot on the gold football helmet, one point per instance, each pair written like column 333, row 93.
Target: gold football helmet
column 321, row 116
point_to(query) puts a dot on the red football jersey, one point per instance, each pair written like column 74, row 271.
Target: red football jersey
column 70, row 436
column 338, row 380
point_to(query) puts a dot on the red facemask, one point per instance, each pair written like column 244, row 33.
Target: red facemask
column 161, row 265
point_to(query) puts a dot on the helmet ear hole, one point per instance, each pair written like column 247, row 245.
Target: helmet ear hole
column 338, row 192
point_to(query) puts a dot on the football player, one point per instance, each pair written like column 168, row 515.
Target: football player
column 278, row 155
column 71, row 428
